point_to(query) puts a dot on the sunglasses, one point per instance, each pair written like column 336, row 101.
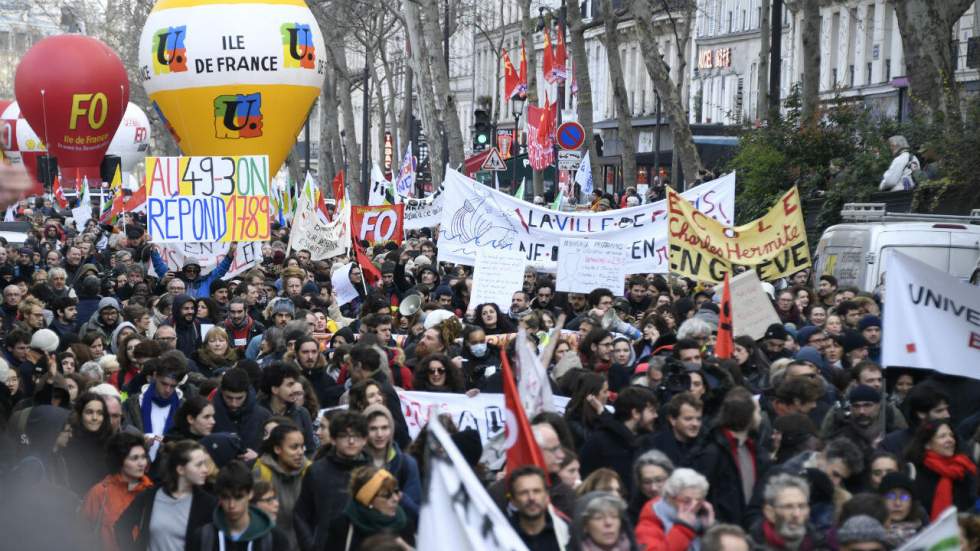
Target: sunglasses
column 437, row 370
column 900, row 497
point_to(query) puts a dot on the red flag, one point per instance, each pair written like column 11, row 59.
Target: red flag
column 339, row 194
column 725, row 344
column 548, row 64
column 522, row 448
column 136, row 200
column 338, row 187
column 561, row 57
column 511, row 79
column 59, row 193
column 522, row 73
column 371, row 273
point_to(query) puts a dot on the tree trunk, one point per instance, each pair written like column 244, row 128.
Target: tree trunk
column 669, row 96
column 620, row 95
column 762, row 96
column 527, row 33
column 926, row 27
column 292, row 167
column 439, row 66
column 379, row 97
column 345, row 89
column 430, row 109
column 327, row 158
column 583, row 98
column 811, row 61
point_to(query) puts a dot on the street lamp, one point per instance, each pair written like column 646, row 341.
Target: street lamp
column 516, row 108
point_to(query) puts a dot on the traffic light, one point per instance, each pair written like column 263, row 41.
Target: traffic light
column 482, row 130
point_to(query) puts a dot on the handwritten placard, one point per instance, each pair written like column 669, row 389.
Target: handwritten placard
column 496, row 276
column 752, row 311
column 208, row 256
column 585, row 265
column 206, row 199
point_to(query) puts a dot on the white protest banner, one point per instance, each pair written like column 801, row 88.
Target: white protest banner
column 340, row 279
column 208, row 256
column 405, row 183
column 81, row 215
column 476, row 217
column 457, row 512
column 532, row 378
column 423, row 213
column 323, row 240
column 752, row 311
column 584, row 265
column 380, row 187
column 204, row 199
column 484, row 412
column 931, row 319
column 496, row 276
column 942, row 534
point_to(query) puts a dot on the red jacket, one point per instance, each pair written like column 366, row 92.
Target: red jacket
column 650, row 532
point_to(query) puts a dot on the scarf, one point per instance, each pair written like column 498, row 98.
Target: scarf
column 146, row 408
column 370, row 521
column 667, row 514
column 622, row 544
column 773, row 539
column 948, row 469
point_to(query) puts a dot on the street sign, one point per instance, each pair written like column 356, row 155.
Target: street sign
column 569, row 160
column 494, row 162
column 571, row 135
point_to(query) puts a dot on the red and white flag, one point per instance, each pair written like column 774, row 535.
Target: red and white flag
column 522, row 448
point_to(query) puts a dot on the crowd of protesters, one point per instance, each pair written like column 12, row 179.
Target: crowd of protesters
column 149, row 406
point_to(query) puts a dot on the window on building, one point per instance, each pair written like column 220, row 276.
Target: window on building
column 730, row 28
column 867, row 77
column 850, row 75
column 745, row 21
column 888, row 69
column 4, row 40
column 20, row 42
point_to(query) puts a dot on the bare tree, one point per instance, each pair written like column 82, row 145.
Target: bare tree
column 926, row 27
column 620, row 95
column 527, row 34
column 439, row 66
column 670, row 96
column 583, row 98
column 762, row 97
column 422, row 71
column 811, row 60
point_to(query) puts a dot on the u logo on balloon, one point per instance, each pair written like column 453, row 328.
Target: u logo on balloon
column 169, row 52
column 238, row 116
column 297, row 46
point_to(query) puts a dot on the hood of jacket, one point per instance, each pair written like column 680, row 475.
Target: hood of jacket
column 114, row 340
column 270, row 461
column 179, row 301
column 259, row 523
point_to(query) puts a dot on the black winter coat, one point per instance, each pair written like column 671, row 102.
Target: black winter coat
column 247, row 422
column 611, row 445
column 715, row 460
column 137, row 516
column 322, row 498
column 926, row 480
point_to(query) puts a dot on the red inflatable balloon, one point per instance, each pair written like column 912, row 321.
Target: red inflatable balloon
column 73, row 90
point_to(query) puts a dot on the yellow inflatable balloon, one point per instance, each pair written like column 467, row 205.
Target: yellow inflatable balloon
column 232, row 77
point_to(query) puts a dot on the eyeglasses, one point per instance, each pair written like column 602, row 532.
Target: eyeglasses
column 388, row 495
column 350, row 437
column 900, row 497
column 793, row 507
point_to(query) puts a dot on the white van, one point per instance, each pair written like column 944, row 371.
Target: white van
column 855, row 252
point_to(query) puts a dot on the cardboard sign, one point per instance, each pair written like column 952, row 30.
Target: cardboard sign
column 496, row 277
column 209, row 255
column 584, row 265
column 378, row 224
column 207, row 199
column 705, row 250
column 752, row 311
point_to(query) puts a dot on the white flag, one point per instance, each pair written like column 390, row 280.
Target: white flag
column 532, row 381
column 943, row 534
column 931, row 319
column 379, row 187
column 11, row 215
column 323, row 239
column 583, row 176
column 457, row 513
column 342, row 286
column 405, row 184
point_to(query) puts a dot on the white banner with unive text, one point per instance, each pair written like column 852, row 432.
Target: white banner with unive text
column 475, row 216
column 931, row 319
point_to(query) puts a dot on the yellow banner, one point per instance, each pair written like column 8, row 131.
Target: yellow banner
column 703, row 249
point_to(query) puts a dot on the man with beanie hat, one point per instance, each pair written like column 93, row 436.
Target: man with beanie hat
column 870, row 329
column 105, row 320
column 862, row 533
column 774, row 342
column 859, row 423
column 198, row 286
column 855, row 347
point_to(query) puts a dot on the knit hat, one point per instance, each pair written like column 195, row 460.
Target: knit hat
column 223, row 447
column 283, row 306
column 45, row 339
column 379, row 408
column 776, row 331
column 436, row 317
column 469, row 444
column 863, row 393
column 804, row 334
column 870, row 320
column 44, row 424
column 134, row 231
column 861, row 528
column 108, row 302
column 894, row 481
column 810, row 354
column 795, row 428
column 852, row 340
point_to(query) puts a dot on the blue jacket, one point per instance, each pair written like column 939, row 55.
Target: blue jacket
column 199, row 287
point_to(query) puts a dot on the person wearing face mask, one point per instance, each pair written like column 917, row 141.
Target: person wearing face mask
column 482, row 358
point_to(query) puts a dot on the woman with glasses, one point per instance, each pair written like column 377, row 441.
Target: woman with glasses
column 265, row 499
column 436, row 373
column 906, row 516
column 283, row 465
column 600, row 523
column 650, row 473
column 373, row 509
